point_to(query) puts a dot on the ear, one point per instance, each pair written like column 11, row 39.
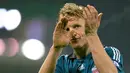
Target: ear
column 99, row 18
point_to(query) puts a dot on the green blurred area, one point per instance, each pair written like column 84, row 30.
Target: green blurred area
column 114, row 28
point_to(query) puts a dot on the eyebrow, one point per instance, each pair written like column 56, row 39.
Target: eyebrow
column 73, row 25
column 76, row 24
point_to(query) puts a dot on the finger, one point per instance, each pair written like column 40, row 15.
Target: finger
column 64, row 22
column 94, row 12
column 58, row 26
column 90, row 9
column 61, row 24
column 88, row 13
column 84, row 13
column 60, row 17
column 99, row 18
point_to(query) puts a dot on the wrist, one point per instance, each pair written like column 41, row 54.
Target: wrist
column 94, row 34
column 94, row 42
column 93, row 38
column 56, row 48
column 91, row 32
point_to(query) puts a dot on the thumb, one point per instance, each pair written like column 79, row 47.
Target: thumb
column 99, row 18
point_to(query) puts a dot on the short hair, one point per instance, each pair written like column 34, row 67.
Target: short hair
column 72, row 9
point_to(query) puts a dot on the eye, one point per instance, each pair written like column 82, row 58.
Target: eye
column 67, row 29
column 76, row 26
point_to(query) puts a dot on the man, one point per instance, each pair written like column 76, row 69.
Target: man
column 77, row 26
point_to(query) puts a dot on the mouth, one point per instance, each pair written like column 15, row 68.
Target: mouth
column 74, row 40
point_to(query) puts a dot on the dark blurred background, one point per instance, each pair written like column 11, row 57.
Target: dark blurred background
column 38, row 19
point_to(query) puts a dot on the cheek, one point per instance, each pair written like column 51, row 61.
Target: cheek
column 81, row 32
column 80, row 35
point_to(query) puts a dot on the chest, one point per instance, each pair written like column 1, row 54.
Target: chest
column 79, row 66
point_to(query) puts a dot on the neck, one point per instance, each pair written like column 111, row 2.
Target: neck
column 81, row 52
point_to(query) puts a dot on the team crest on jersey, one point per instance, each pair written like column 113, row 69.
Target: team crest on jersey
column 94, row 70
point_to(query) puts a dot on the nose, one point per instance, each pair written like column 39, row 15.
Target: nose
column 74, row 34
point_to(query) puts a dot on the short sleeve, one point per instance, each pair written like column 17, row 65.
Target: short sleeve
column 116, row 57
column 59, row 65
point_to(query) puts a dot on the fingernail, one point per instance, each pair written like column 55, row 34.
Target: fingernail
column 88, row 5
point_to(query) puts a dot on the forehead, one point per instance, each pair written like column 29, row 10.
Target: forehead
column 75, row 20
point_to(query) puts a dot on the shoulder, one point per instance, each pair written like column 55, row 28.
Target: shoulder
column 116, row 57
column 110, row 48
column 113, row 52
column 63, row 57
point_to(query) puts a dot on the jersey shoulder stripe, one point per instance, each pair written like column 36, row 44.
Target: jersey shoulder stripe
column 115, row 53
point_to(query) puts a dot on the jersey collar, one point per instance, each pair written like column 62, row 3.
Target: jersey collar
column 73, row 56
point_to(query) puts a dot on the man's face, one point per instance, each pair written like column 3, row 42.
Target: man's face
column 76, row 30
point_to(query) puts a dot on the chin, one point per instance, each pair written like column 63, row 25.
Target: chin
column 76, row 45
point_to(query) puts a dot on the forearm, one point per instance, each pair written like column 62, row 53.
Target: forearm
column 102, row 61
column 50, row 61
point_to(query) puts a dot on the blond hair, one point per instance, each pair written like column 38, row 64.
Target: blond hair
column 72, row 9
